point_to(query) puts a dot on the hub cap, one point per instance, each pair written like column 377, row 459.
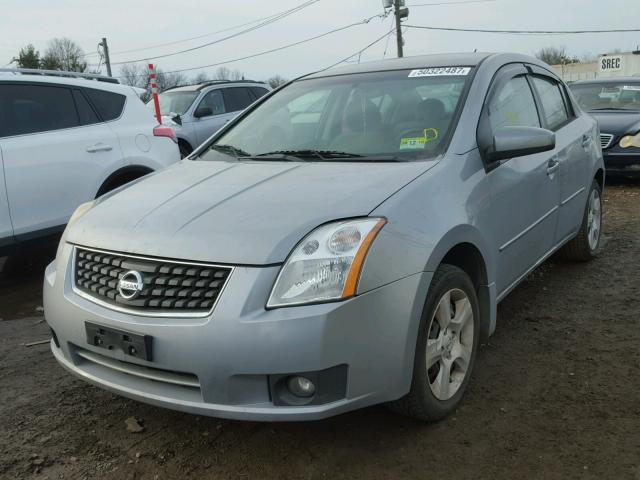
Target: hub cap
column 449, row 344
column 594, row 220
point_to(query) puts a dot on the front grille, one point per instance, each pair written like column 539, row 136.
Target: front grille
column 605, row 140
column 167, row 286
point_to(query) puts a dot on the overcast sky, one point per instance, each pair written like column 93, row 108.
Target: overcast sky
column 131, row 24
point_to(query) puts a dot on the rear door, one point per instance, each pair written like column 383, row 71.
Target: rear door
column 56, row 152
column 6, row 229
column 524, row 190
column 574, row 145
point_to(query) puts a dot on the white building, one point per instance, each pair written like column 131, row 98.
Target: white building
column 608, row 65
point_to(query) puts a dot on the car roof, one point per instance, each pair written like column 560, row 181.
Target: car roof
column 465, row 59
column 76, row 82
column 214, row 83
column 607, row 80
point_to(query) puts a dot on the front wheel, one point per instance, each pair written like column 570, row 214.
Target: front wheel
column 448, row 338
column 586, row 244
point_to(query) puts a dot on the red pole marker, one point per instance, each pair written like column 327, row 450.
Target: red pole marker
column 154, row 91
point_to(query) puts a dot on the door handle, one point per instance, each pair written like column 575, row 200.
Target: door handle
column 586, row 141
column 99, row 147
column 552, row 166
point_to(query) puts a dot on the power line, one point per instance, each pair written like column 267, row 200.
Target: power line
column 359, row 52
column 283, row 47
column 241, row 32
column 197, row 37
column 463, row 2
column 524, row 32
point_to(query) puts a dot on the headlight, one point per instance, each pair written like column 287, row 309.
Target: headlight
column 630, row 141
column 326, row 265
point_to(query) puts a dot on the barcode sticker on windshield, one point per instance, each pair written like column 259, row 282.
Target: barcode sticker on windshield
column 440, row 71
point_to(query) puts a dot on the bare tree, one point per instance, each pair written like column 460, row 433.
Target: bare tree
column 134, row 75
column 64, row 54
column 223, row 73
column 200, row 77
column 555, row 56
column 276, row 81
column 169, row 79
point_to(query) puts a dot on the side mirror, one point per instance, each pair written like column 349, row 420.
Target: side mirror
column 509, row 142
column 203, row 112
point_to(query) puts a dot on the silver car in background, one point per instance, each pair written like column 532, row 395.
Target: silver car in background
column 195, row 112
column 344, row 242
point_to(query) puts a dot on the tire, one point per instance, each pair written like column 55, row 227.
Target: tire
column 185, row 150
column 586, row 244
column 432, row 396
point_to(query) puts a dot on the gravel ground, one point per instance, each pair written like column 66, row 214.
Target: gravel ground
column 555, row 394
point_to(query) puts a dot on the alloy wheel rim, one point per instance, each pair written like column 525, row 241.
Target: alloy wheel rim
column 449, row 344
column 594, row 220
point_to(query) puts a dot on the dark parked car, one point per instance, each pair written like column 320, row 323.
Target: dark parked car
column 615, row 104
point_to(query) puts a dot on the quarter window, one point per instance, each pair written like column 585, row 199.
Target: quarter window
column 34, row 108
column 237, row 98
column 513, row 105
column 108, row 104
column 553, row 106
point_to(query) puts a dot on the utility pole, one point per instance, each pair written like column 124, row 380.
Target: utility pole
column 400, row 12
column 105, row 49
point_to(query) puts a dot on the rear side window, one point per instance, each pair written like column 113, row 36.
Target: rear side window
column 259, row 91
column 553, row 107
column 85, row 111
column 108, row 104
column 35, row 108
column 237, row 98
column 513, row 105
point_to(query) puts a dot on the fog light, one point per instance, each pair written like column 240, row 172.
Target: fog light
column 301, row 387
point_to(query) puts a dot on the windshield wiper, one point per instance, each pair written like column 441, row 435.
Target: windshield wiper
column 229, row 149
column 305, row 154
column 613, row 108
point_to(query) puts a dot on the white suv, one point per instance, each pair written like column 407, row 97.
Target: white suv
column 66, row 139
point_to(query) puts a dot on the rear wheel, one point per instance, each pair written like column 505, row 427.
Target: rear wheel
column 447, row 342
column 586, row 244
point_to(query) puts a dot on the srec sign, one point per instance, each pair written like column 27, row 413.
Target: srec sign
column 610, row 64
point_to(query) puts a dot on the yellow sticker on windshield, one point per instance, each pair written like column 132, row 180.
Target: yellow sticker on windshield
column 418, row 143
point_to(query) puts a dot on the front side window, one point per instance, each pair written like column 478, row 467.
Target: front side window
column 214, row 101
column 513, row 105
column 608, row 95
column 35, row 108
column 399, row 114
column 175, row 103
column 553, row 106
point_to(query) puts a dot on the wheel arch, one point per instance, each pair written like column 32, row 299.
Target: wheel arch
column 599, row 177
column 464, row 247
column 121, row 176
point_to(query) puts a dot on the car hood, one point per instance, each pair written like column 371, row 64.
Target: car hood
column 617, row 123
column 249, row 213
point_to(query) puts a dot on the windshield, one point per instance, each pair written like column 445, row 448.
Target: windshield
column 605, row 96
column 398, row 115
column 175, row 103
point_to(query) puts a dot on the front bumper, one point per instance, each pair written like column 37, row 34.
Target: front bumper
column 622, row 164
column 230, row 357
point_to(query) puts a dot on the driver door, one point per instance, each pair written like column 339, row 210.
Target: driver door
column 207, row 125
column 525, row 190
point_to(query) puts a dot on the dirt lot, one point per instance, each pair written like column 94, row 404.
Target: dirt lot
column 556, row 394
